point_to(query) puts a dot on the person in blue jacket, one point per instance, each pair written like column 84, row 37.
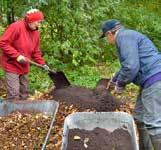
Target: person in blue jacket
column 140, row 64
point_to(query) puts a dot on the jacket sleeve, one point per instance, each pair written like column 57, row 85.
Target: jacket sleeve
column 129, row 59
column 37, row 55
column 10, row 34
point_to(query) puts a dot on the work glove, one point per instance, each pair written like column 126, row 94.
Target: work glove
column 111, row 84
column 21, row 59
column 118, row 89
column 46, row 67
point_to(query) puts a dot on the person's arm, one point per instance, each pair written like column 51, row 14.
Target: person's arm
column 10, row 34
column 129, row 59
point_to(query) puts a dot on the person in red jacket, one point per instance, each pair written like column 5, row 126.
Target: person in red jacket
column 19, row 43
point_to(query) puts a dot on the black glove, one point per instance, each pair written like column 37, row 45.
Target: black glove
column 119, row 89
column 21, row 59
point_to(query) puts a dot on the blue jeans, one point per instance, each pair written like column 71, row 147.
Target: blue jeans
column 148, row 108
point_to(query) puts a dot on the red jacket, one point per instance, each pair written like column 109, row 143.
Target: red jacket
column 19, row 39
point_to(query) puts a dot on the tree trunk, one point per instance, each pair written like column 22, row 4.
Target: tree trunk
column 10, row 12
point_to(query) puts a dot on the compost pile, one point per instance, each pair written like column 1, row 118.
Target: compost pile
column 98, row 99
column 23, row 130
column 99, row 139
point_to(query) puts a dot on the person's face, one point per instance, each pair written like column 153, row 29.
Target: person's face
column 110, row 37
column 34, row 25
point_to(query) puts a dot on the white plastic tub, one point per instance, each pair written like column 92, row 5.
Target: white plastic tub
column 106, row 120
column 47, row 107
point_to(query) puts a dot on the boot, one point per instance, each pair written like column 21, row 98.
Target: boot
column 156, row 140
column 144, row 138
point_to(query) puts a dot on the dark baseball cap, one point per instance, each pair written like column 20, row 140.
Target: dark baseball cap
column 109, row 25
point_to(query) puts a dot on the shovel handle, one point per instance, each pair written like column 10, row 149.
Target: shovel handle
column 39, row 65
column 34, row 63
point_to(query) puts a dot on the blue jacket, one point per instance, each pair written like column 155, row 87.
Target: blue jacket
column 138, row 56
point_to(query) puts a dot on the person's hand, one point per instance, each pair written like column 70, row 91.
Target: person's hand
column 21, row 59
column 111, row 84
column 46, row 67
column 118, row 89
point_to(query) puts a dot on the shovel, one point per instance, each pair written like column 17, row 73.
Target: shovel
column 58, row 77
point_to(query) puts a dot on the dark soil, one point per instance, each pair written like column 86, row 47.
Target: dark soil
column 98, row 99
column 99, row 139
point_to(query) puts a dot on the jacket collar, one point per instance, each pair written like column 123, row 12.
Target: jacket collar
column 27, row 26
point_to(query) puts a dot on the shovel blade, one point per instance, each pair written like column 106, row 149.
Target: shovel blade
column 59, row 79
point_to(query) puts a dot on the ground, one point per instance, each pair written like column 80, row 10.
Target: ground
column 73, row 98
